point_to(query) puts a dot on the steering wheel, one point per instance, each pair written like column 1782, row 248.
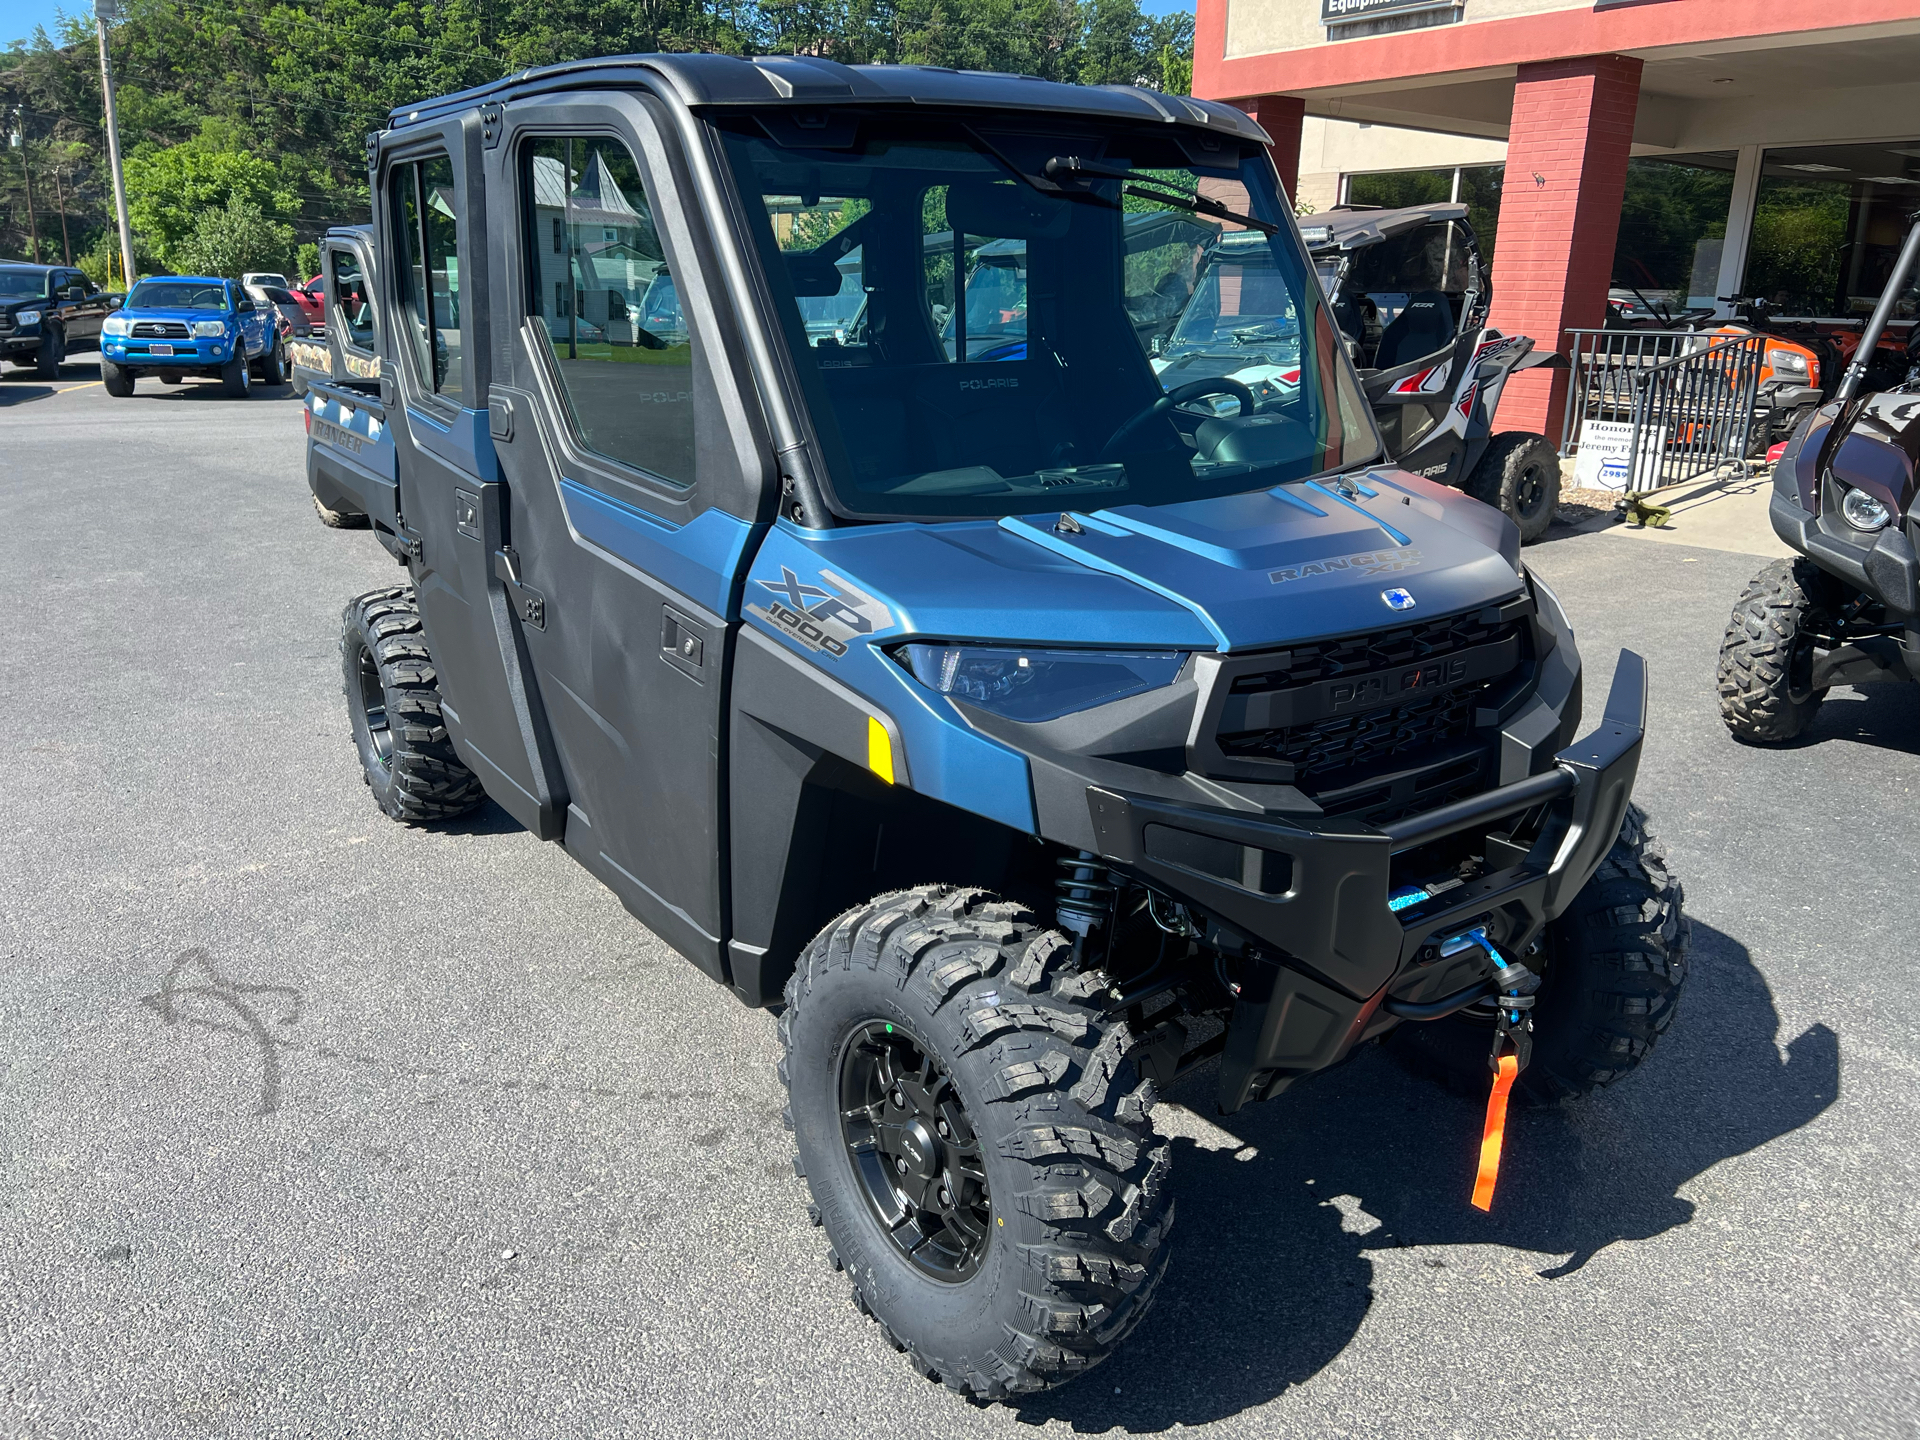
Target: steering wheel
column 1179, row 395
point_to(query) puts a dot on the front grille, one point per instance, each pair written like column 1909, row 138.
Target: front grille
column 1359, row 654
column 1411, row 749
column 159, row 330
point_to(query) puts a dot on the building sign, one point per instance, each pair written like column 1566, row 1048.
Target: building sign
column 1345, row 12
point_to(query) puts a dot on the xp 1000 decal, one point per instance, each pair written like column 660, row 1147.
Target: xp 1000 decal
column 822, row 617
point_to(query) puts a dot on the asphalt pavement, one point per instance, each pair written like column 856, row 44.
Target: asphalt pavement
column 315, row 1125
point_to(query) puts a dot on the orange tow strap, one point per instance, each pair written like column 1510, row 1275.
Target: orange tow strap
column 1495, row 1132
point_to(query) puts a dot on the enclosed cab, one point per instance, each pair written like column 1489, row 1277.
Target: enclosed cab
column 1026, row 730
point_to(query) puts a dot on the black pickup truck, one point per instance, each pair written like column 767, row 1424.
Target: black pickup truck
column 48, row 312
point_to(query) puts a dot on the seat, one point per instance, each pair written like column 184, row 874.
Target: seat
column 1425, row 325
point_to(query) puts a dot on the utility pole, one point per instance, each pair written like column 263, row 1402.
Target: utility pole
column 60, row 194
column 103, row 11
column 26, row 169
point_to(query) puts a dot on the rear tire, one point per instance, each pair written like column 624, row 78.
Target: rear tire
column 273, row 366
column 236, row 377
column 1519, row 475
column 1612, row 965
column 1766, row 658
column 393, row 704
column 117, row 378
column 1058, row 1198
column 339, row 519
column 168, row 378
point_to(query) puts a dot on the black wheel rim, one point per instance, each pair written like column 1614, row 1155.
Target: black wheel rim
column 1800, row 668
column 914, row 1152
column 1530, row 494
column 373, row 705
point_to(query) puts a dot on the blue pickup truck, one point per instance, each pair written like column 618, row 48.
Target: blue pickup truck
column 180, row 325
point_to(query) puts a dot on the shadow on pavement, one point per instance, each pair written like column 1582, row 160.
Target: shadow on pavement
column 20, row 394
column 489, row 819
column 1885, row 716
column 1272, row 1270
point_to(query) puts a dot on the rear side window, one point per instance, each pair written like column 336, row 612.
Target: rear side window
column 603, row 297
column 352, row 299
column 427, row 219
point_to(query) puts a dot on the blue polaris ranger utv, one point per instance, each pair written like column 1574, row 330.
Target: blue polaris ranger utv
column 1023, row 733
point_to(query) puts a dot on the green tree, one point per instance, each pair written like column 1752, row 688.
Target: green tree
column 169, row 189
column 232, row 240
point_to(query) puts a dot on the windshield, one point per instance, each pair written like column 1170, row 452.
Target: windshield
column 178, row 295
column 22, row 284
column 1002, row 355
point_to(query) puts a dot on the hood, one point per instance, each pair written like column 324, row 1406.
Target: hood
column 1301, row 561
column 170, row 312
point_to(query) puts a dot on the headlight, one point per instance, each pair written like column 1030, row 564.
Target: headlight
column 1788, row 362
column 1034, row 685
column 24, row 318
column 116, row 325
column 1863, row 512
column 210, row 328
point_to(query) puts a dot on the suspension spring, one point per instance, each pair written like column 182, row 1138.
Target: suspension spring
column 1085, row 894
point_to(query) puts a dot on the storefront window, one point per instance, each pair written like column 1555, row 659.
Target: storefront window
column 1673, row 223
column 1477, row 186
column 1827, row 225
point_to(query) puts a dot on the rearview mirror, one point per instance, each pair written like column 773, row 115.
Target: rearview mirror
column 1006, row 211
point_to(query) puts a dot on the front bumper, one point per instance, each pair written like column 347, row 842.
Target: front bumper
column 1304, row 913
column 191, row 354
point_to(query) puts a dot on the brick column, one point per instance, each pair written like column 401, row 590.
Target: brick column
column 1566, row 177
column 1280, row 116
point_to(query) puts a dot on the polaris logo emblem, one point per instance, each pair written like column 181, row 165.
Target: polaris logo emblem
column 1397, row 599
column 996, row 382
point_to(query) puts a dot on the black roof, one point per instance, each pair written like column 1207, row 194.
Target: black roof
column 800, row 80
column 1349, row 228
column 27, row 265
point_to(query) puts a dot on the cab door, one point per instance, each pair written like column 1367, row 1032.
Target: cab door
column 634, row 468
column 350, row 437
column 430, row 219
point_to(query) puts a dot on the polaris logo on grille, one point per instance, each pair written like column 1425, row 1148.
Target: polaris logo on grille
column 1367, row 562
column 1379, row 689
column 1397, row 599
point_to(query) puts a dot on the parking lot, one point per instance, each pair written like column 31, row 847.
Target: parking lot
column 315, row 1125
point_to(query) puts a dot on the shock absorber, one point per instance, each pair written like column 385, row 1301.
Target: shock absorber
column 1084, row 900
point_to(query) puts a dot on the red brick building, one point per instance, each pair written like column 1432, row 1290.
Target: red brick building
column 1691, row 150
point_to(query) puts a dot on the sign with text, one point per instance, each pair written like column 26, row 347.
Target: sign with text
column 1345, row 12
column 1604, row 449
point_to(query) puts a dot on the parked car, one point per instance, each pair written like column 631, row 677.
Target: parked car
column 293, row 315
column 266, row 277
column 48, row 312
column 191, row 325
column 312, row 300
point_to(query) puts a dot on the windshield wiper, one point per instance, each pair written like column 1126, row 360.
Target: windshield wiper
column 1072, row 167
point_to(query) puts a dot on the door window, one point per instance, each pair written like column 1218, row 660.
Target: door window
column 352, row 299
column 427, row 217
column 602, row 296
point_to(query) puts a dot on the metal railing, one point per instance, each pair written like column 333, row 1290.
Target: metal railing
column 1662, row 407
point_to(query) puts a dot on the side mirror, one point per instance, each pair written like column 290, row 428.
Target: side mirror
column 76, row 292
column 245, row 306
